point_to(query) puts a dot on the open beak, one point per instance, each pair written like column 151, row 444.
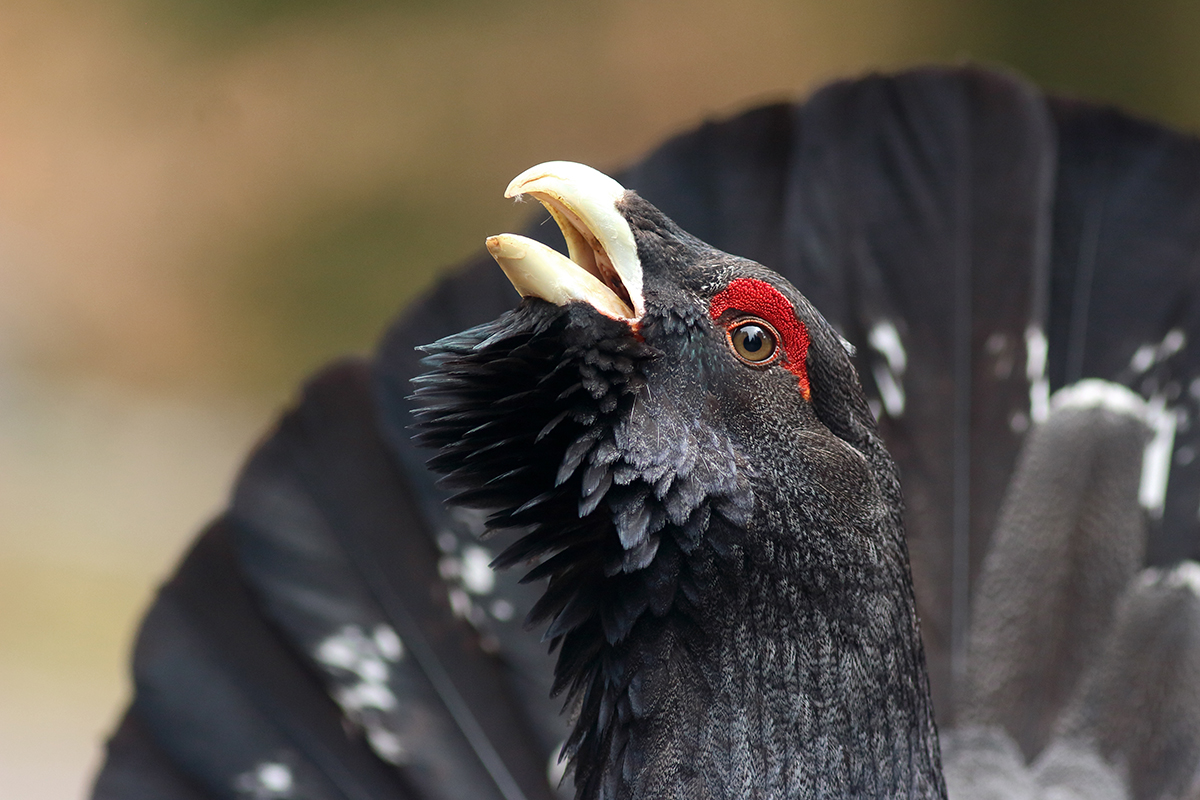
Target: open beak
column 603, row 269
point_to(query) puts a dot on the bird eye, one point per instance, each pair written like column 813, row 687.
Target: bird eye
column 754, row 341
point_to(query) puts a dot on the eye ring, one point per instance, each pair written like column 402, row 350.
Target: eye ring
column 754, row 341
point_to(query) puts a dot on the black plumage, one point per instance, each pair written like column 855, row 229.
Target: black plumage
column 1009, row 242
column 728, row 580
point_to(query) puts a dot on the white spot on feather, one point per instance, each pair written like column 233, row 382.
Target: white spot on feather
column 1036, row 351
column 1184, row 575
column 365, row 659
column 502, row 610
column 1156, row 461
column 266, row 781
column 460, row 603
column 885, row 339
column 1143, row 359
column 364, row 695
column 890, row 391
column 388, row 643
column 337, row 651
column 450, row 568
column 477, row 576
column 373, row 670
column 386, row 744
column 1156, row 458
column 1172, row 343
column 1095, row 393
column 1150, row 354
column 275, row 777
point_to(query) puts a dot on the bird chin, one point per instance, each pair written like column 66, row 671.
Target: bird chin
column 603, row 269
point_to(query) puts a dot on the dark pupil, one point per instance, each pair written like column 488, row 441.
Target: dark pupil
column 753, row 339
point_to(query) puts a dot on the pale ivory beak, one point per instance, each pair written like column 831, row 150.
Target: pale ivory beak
column 603, row 269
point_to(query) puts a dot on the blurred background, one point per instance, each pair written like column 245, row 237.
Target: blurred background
column 203, row 200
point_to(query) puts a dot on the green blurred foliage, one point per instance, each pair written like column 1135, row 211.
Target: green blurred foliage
column 1143, row 56
column 223, row 23
column 330, row 287
column 330, row 282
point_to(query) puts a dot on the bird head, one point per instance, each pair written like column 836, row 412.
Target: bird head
column 682, row 442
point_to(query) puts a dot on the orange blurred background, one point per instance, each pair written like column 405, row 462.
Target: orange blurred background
column 202, row 200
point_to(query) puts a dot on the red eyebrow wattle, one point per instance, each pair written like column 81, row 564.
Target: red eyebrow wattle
column 761, row 299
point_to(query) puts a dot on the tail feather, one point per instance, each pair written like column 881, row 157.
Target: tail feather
column 225, row 698
column 334, row 545
column 1126, row 273
column 139, row 769
column 1139, row 704
column 1071, row 536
